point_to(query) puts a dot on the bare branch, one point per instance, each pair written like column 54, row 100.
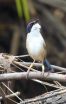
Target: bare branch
column 39, row 65
column 10, row 96
column 11, row 91
column 33, row 75
column 56, row 95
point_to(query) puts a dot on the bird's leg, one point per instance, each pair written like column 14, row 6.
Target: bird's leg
column 43, row 68
column 30, row 67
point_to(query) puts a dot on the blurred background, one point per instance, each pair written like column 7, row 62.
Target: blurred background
column 16, row 14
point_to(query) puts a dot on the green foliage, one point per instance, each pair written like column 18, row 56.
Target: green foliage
column 26, row 10
column 22, row 7
column 19, row 8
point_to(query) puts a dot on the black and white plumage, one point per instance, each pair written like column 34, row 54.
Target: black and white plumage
column 35, row 43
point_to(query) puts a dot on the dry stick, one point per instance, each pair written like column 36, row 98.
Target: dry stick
column 62, row 72
column 12, row 100
column 27, row 68
column 22, row 56
column 8, row 96
column 44, row 83
column 39, row 65
column 22, row 65
column 17, row 66
column 57, row 83
column 28, row 64
column 3, row 95
column 33, row 75
column 2, row 91
column 49, row 95
column 51, row 66
column 38, row 81
column 41, row 82
column 58, row 68
column 12, row 91
column 11, row 95
column 32, row 70
column 48, row 84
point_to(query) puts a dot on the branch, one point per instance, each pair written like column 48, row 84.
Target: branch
column 53, row 97
column 39, row 65
column 11, row 95
column 33, row 75
column 5, row 60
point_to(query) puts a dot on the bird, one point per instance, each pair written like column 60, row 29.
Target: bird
column 35, row 45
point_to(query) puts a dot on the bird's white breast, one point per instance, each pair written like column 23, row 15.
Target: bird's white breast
column 35, row 45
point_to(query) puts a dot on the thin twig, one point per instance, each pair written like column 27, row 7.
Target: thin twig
column 10, row 96
column 21, row 56
column 22, row 65
column 17, row 66
column 13, row 101
column 48, row 84
column 39, row 65
column 11, row 91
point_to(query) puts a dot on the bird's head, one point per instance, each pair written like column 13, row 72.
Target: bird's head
column 33, row 26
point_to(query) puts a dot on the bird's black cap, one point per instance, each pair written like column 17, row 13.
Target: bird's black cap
column 29, row 26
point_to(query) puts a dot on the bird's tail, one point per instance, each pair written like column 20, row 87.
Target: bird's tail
column 47, row 65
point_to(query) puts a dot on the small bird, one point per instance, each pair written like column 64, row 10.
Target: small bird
column 36, row 45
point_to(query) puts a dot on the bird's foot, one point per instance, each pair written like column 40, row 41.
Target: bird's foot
column 43, row 70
